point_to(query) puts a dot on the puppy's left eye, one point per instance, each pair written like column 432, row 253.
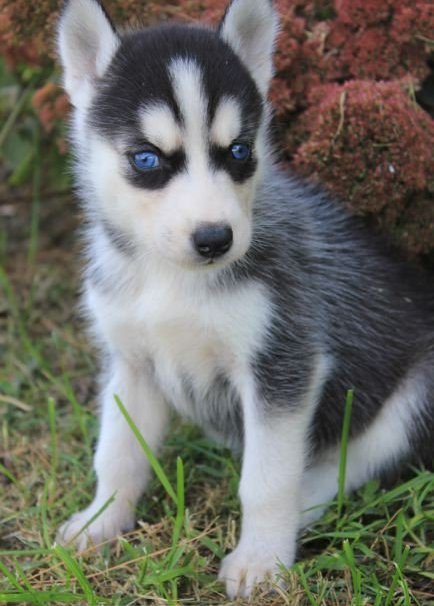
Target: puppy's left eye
column 146, row 160
column 240, row 152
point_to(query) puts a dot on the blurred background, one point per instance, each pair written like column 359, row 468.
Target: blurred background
column 353, row 98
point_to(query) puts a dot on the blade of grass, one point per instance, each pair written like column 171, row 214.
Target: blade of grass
column 356, row 575
column 53, row 437
column 305, row 584
column 397, row 576
column 72, row 565
column 44, row 514
column 36, row 199
column 15, row 113
column 180, row 502
column 397, row 546
column 169, row 575
column 10, row 476
column 78, row 410
column 43, row 597
column 11, row 578
column 19, row 320
column 158, row 470
column 94, row 517
column 343, row 453
column 26, row 585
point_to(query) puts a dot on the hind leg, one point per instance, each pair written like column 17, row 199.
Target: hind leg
column 319, row 487
column 388, row 441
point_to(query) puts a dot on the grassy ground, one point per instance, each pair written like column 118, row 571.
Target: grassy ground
column 379, row 551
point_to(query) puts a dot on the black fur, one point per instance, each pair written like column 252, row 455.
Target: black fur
column 156, row 178
column 338, row 290
column 240, row 171
column 138, row 76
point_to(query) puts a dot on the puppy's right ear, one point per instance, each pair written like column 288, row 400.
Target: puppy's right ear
column 250, row 27
column 86, row 42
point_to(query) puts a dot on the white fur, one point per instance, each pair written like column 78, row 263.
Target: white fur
column 142, row 325
column 122, row 468
column 160, row 128
column 226, row 126
column 222, row 333
column 275, row 450
column 250, row 27
column 86, row 43
column 383, row 444
column 187, row 83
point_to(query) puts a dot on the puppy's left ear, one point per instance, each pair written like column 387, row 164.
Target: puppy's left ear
column 87, row 42
column 250, row 27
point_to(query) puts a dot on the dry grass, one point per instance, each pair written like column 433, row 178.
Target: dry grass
column 379, row 552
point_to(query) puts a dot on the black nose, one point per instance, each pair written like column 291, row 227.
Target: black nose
column 212, row 239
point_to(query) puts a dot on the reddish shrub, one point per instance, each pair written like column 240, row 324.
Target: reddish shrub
column 51, row 104
column 362, row 13
column 376, row 165
column 374, row 156
column 382, row 39
column 342, row 108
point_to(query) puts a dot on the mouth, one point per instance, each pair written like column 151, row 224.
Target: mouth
column 214, row 263
column 206, row 263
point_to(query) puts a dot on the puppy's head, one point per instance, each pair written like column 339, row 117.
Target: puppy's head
column 170, row 127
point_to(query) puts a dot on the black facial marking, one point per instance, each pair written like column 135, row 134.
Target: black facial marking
column 156, row 178
column 139, row 76
column 240, row 171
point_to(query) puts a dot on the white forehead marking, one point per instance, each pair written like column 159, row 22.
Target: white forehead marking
column 160, row 128
column 226, row 126
column 187, row 84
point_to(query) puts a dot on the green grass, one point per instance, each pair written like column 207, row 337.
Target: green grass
column 375, row 548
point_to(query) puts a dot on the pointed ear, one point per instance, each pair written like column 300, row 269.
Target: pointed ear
column 87, row 42
column 250, row 27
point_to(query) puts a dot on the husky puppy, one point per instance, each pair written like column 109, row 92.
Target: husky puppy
column 222, row 288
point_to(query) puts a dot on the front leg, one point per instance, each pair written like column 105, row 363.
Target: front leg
column 275, row 448
column 269, row 493
column 121, row 467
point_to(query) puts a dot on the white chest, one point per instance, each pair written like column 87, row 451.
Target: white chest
column 190, row 335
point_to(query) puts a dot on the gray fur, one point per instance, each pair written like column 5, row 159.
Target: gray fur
column 339, row 290
column 261, row 345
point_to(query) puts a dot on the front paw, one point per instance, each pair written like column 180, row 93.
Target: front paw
column 108, row 525
column 248, row 565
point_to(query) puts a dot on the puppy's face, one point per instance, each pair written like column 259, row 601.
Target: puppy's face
column 169, row 134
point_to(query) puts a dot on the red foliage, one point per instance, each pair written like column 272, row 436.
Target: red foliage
column 382, row 39
column 341, row 93
column 376, row 39
column 362, row 13
column 51, row 104
column 374, row 164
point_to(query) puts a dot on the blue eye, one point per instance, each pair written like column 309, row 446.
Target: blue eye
column 146, row 160
column 240, row 151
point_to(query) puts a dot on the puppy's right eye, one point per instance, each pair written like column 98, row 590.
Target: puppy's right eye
column 146, row 160
column 241, row 152
column 150, row 168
